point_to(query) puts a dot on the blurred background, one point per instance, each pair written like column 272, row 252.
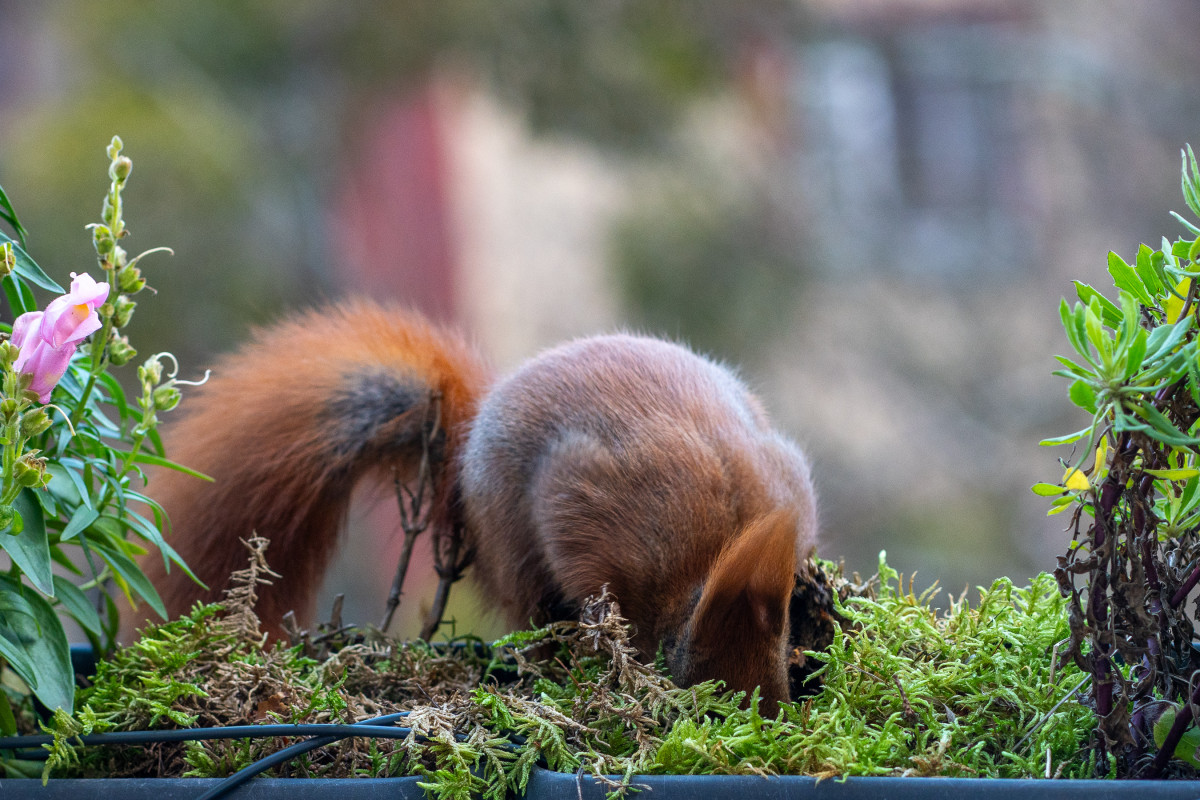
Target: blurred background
column 871, row 206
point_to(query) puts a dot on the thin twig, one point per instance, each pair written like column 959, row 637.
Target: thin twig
column 414, row 518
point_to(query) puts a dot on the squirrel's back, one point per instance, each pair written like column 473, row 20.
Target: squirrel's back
column 632, row 462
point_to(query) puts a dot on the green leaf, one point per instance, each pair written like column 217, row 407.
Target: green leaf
column 158, row 461
column 1190, row 226
column 1135, row 356
column 44, row 642
column 132, row 574
column 1070, row 437
column 1060, row 505
column 9, row 215
column 1047, row 489
column 20, row 298
column 13, row 604
column 1145, row 270
column 1073, row 325
column 30, row 549
column 66, row 484
column 1174, row 474
column 1166, row 338
column 1126, row 278
column 1111, row 315
column 28, row 269
column 1186, row 749
column 1190, row 180
column 80, row 520
column 1083, row 395
column 116, row 395
column 77, row 605
column 1075, row 369
column 1095, row 330
column 1163, row 429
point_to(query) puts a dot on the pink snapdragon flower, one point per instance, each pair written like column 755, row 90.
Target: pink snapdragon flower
column 47, row 339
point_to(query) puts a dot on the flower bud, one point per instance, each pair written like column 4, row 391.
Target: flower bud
column 8, row 259
column 8, row 408
column 8, row 352
column 122, row 311
column 130, row 280
column 34, row 423
column 120, row 352
column 150, row 373
column 166, row 397
column 114, row 148
column 120, row 168
column 30, row 471
column 107, row 213
column 102, row 238
column 8, row 516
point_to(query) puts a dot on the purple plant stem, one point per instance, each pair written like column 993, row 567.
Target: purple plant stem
column 1183, row 721
column 1102, row 683
column 1145, row 486
column 1186, row 588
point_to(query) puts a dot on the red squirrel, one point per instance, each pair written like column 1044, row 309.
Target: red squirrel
column 621, row 460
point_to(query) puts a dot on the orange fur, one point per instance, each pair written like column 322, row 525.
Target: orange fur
column 262, row 428
column 617, row 460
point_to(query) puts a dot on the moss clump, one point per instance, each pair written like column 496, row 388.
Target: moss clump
column 907, row 690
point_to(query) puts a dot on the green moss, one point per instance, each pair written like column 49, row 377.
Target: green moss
column 908, row 690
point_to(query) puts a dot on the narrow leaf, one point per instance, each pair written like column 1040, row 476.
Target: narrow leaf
column 1070, row 437
column 77, row 605
column 80, row 520
column 9, row 215
column 158, row 461
column 1181, row 474
column 1110, row 313
column 20, row 298
column 28, row 269
column 132, row 574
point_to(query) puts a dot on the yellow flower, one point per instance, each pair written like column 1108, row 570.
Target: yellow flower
column 1076, row 481
column 1174, row 304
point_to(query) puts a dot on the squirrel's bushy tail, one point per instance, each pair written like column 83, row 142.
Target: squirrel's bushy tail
column 288, row 425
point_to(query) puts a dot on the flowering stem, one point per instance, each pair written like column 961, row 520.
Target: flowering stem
column 97, row 366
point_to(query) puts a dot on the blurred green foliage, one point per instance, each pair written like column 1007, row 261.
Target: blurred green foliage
column 720, row 270
column 242, row 115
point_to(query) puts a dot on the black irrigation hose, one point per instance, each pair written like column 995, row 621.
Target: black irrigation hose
column 320, row 735
column 288, row 753
column 366, row 728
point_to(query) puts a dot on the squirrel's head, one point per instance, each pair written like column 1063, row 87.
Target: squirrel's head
column 737, row 631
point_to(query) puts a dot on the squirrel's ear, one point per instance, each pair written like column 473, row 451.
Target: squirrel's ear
column 748, row 589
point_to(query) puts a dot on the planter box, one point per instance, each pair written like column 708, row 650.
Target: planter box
column 191, row 788
column 545, row 785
